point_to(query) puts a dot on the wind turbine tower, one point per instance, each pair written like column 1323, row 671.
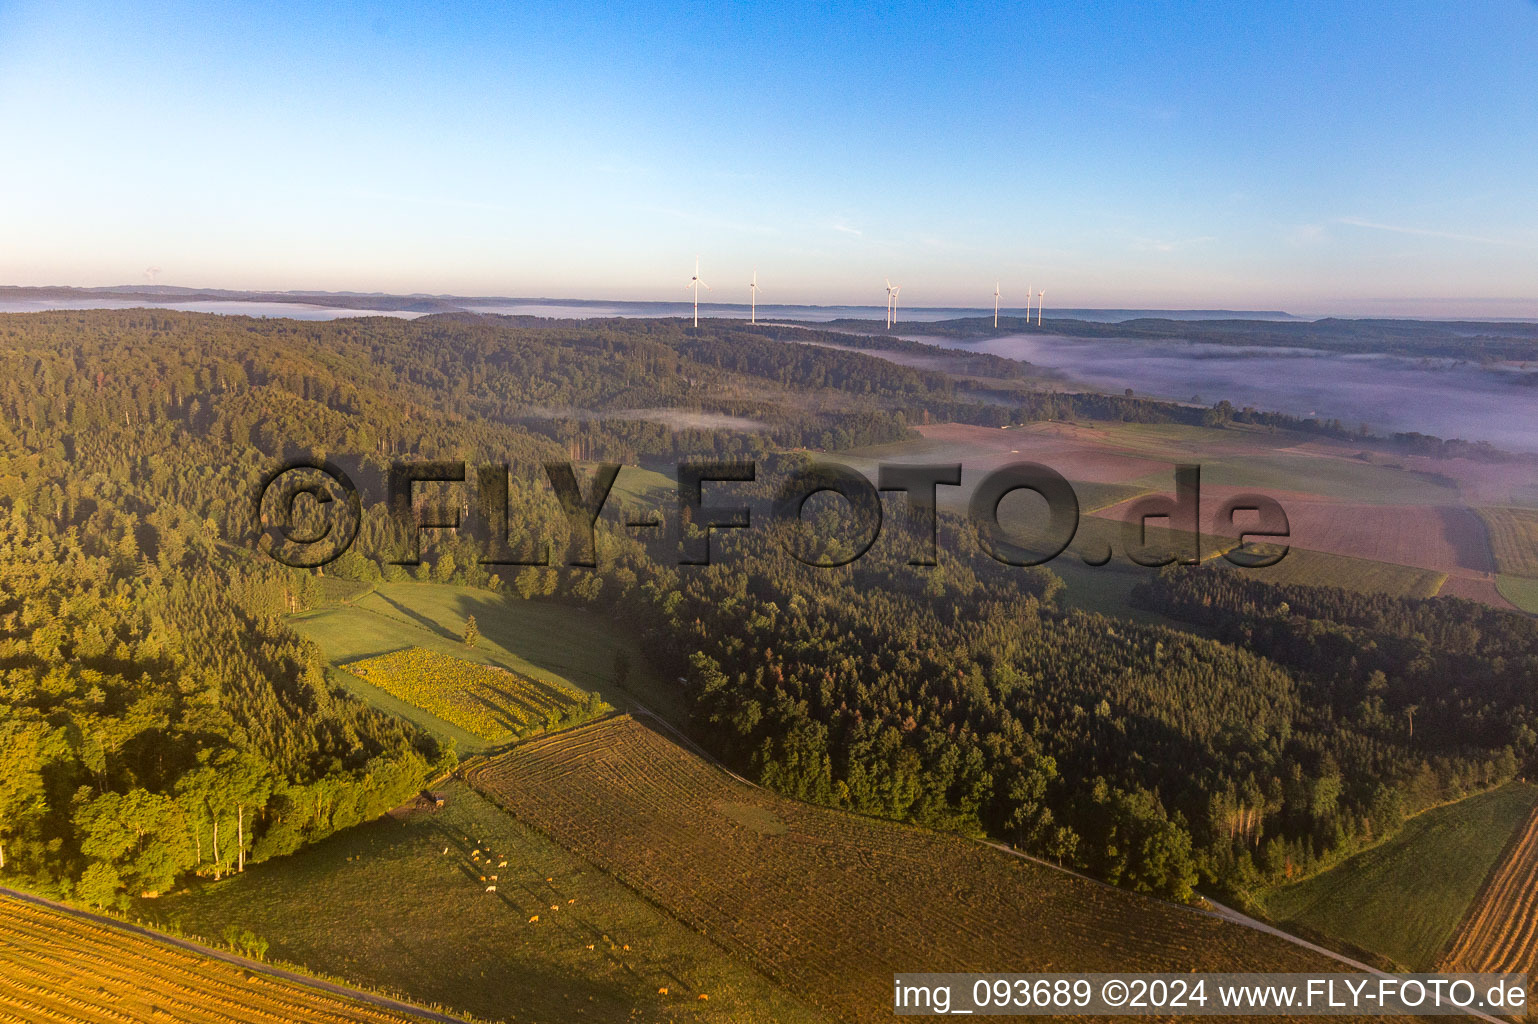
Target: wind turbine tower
column 753, row 296
column 995, row 305
column 696, row 284
column 889, row 304
column 892, row 320
column 1027, row 304
column 1039, row 296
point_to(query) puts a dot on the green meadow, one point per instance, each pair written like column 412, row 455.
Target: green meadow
column 408, row 904
column 1406, row 897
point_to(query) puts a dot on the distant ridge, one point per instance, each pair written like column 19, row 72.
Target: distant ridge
column 425, row 303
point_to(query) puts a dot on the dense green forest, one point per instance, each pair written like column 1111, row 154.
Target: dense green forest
column 160, row 718
column 961, row 697
column 156, row 714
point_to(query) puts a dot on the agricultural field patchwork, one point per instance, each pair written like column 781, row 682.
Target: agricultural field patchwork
column 808, row 895
column 488, row 701
column 59, row 969
column 1442, row 539
column 566, row 647
column 1361, row 520
column 1500, row 933
column 1443, row 857
column 467, row 907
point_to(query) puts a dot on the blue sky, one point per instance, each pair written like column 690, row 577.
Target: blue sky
column 1329, row 157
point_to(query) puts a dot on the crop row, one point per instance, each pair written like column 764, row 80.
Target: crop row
column 57, row 968
column 1501, row 933
column 1514, row 539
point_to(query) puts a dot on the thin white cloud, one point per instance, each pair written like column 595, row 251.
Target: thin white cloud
column 1170, row 245
column 846, row 229
column 708, row 221
column 1452, row 236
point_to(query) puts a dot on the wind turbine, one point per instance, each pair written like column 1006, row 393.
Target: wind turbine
column 1027, row 304
column 995, row 305
column 753, row 293
column 1039, row 296
column 889, row 303
column 892, row 320
column 695, row 283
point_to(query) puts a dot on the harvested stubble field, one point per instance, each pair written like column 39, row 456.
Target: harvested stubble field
column 1500, row 933
column 56, row 969
column 1514, row 539
column 831, row 904
column 486, row 700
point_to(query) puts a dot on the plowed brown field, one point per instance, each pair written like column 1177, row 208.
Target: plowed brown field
column 1445, row 539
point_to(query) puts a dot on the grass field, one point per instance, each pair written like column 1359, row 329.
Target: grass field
column 1344, row 478
column 1520, row 591
column 383, row 903
column 1514, row 539
column 57, row 968
column 1319, row 569
column 490, row 702
column 1094, row 497
column 831, row 904
column 556, row 645
column 1405, row 898
column 640, row 485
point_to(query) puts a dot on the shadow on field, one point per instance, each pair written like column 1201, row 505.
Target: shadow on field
column 417, row 617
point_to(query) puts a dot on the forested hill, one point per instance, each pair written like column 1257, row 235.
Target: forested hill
column 158, row 717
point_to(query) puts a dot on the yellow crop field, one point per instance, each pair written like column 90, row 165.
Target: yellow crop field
column 491, row 702
column 58, row 969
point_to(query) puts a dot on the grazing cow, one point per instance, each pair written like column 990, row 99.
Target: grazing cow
column 491, row 888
